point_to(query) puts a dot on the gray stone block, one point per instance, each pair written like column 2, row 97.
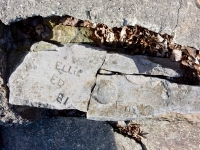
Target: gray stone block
column 140, row 64
column 58, row 79
column 188, row 31
column 118, row 97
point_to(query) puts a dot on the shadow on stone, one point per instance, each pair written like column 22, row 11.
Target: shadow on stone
column 34, row 113
column 1, row 138
column 60, row 133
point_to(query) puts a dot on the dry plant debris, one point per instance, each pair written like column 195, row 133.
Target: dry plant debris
column 131, row 130
column 133, row 40
column 34, row 28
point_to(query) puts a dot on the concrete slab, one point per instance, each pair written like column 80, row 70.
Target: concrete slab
column 170, row 135
column 152, row 15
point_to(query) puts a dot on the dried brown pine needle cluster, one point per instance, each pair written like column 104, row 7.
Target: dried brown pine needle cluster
column 131, row 130
column 190, row 62
column 134, row 39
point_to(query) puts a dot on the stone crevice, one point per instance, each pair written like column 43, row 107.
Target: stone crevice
column 167, row 78
column 119, row 73
column 92, row 89
column 88, row 14
column 178, row 12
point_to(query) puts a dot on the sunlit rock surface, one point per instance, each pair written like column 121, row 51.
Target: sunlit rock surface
column 58, row 79
column 125, row 97
column 140, row 64
column 106, row 86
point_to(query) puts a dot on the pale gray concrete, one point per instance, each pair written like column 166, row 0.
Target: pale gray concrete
column 179, row 18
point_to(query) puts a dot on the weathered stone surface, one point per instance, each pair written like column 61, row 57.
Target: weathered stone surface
column 60, row 79
column 191, row 118
column 140, row 64
column 171, row 17
column 188, row 31
column 118, row 97
column 79, row 133
column 65, row 133
column 166, row 135
column 116, row 13
column 6, row 114
column 43, row 46
column 67, row 34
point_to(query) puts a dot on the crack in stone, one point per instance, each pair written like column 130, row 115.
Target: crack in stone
column 88, row 14
column 146, row 75
column 177, row 20
column 92, row 89
column 168, row 78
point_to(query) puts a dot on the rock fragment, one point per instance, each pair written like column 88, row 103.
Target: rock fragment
column 140, row 64
column 60, row 79
column 187, row 30
column 69, row 34
column 118, row 97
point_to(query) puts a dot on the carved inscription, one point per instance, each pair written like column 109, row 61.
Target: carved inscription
column 62, row 68
column 61, row 100
column 57, row 81
column 38, row 104
column 125, row 108
column 61, row 78
column 68, row 69
column 118, row 103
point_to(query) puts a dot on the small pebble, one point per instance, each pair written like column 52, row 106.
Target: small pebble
column 53, row 12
